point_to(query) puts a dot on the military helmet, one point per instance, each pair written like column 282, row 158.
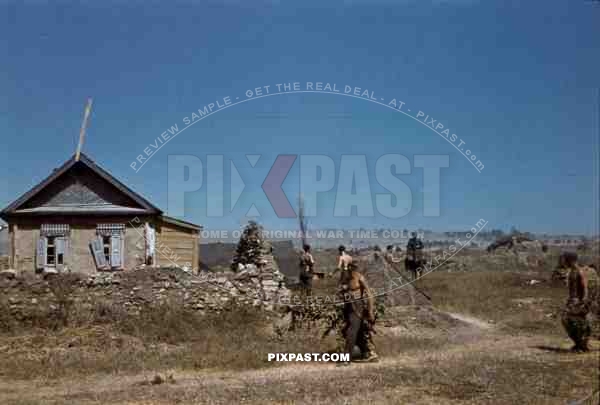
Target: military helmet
column 341, row 249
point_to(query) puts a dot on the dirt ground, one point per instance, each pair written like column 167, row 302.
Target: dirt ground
column 487, row 338
column 470, row 363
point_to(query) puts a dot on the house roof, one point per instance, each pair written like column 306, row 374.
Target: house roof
column 146, row 207
column 179, row 222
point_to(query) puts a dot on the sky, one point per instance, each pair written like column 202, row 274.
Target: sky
column 517, row 82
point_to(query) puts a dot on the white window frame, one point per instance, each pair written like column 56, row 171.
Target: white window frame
column 110, row 253
column 48, row 234
column 103, row 235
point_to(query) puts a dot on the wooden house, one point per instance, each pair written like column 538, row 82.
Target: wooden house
column 82, row 219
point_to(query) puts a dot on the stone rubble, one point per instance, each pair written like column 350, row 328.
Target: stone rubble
column 257, row 282
column 131, row 290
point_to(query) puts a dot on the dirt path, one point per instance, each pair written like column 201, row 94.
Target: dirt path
column 477, row 323
column 417, row 377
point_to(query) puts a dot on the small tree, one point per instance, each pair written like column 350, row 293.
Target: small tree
column 251, row 246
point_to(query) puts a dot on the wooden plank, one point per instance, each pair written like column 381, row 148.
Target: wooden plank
column 187, row 244
column 166, row 249
column 170, row 231
column 195, row 258
column 176, row 235
column 170, row 251
column 169, row 243
column 13, row 249
column 181, row 262
column 176, row 238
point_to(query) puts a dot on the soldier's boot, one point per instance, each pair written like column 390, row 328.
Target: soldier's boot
column 371, row 357
column 368, row 349
column 582, row 346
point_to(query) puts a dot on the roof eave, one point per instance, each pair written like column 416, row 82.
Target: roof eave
column 7, row 216
column 181, row 223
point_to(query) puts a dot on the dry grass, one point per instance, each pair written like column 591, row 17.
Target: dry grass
column 107, row 340
column 229, row 352
column 470, row 376
column 505, row 298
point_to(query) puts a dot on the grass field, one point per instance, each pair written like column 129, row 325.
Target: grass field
column 490, row 337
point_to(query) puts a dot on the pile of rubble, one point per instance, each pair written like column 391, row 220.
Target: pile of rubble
column 257, row 282
column 529, row 253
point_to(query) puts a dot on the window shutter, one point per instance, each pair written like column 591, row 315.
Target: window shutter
column 41, row 253
column 150, row 241
column 61, row 248
column 98, row 251
column 116, row 251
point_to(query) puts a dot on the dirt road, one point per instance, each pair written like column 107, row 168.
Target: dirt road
column 490, row 367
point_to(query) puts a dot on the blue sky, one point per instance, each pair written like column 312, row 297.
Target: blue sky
column 516, row 81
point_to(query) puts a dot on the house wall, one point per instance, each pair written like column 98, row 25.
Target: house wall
column 4, row 245
column 83, row 230
column 176, row 246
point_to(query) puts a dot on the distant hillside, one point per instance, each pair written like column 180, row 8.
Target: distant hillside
column 216, row 254
column 287, row 257
column 220, row 254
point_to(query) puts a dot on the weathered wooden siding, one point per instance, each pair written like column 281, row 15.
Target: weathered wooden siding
column 176, row 245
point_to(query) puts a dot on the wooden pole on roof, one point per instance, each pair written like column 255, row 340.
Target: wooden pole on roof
column 301, row 220
column 86, row 115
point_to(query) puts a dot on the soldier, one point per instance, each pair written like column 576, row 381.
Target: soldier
column 389, row 256
column 307, row 263
column 414, row 255
column 574, row 316
column 344, row 260
column 376, row 253
column 358, row 310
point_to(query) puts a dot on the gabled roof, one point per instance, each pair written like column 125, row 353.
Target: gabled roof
column 179, row 222
column 147, row 207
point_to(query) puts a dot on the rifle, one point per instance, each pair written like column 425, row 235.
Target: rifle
column 301, row 219
column 372, row 324
column 414, row 286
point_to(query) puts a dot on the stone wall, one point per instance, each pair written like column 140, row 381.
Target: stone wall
column 4, row 263
column 25, row 292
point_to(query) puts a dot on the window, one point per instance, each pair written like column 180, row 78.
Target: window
column 55, row 251
column 50, row 252
column 108, row 247
column 52, row 246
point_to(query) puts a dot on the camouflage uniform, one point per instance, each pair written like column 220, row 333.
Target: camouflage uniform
column 414, row 256
column 575, row 321
column 306, row 275
column 357, row 329
column 575, row 314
